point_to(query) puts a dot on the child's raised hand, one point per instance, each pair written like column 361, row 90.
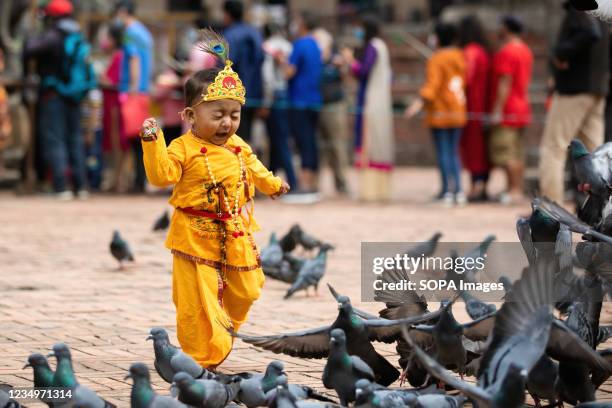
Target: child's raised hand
column 284, row 189
column 149, row 129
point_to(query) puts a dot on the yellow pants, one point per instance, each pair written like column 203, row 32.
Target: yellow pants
column 200, row 317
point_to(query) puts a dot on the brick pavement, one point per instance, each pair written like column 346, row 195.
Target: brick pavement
column 59, row 283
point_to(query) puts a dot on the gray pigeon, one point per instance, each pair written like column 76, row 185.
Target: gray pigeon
column 259, row 389
column 541, row 381
column 283, row 272
column 170, row 359
column 5, row 399
column 447, row 336
column 205, row 393
column 162, row 223
column 143, row 395
column 440, row 401
column 560, row 214
column 314, row 343
column 594, row 174
column 371, row 395
column 43, row 375
column 271, row 255
column 523, row 331
column 282, row 397
column 311, row 272
column 120, row 249
column 343, row 370
column 426, row 248
column 64, row 377
column 475, row 307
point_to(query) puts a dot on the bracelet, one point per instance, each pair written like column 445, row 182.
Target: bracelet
column 149, row 135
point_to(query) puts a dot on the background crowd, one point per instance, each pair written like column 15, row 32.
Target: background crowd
column 474, row 97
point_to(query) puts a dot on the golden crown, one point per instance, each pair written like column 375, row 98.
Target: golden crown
column 227, row 85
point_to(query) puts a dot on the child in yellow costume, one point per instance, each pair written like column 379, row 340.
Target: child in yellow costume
column 217, row 271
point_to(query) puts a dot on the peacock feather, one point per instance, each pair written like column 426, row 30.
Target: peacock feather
column 214, row 43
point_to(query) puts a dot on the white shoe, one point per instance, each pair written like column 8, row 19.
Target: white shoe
column 460, row 199
column 447, row 200
column 83, row 194
column 301, row 198
column 66, row 195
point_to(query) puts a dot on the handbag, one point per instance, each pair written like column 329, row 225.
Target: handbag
column 135, row 108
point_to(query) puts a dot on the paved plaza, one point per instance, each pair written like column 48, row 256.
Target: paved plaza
column 58, row 281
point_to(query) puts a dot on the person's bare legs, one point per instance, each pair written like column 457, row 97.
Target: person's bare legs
column 309, row 180
column 515, row 171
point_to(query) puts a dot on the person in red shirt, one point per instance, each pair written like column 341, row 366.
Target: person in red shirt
column 511, row 113
column 474, row 155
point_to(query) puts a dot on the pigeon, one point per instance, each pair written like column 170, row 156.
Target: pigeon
column 120, row 249
column 64, row 377
column 561, row 215
column 291, row 239
column 162, row 223
column 369, row 395
column 311, row 272
column 440, row 401
column 5, row 399
column 170, row 359
column 404, row 305
column 284, row 271
column 296, row 236
column 426, row 248
column 470, row 258
column 342, row 370
column 143, row 395
column 259, row 389
column 272, row 255
column 205, row 393
column 541, row 381
column 475, row 307
column 594, row 174
column 43, row 375
column 447, row 336
column 524, row 329
column 282, row 396
column 314, row 343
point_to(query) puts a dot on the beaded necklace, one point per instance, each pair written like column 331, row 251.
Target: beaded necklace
column 234, row 213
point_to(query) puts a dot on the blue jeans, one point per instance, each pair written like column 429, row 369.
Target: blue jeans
column 94, row 161
column 303, row 125
column 60, row 128
column 447, row 151
column 278, row 132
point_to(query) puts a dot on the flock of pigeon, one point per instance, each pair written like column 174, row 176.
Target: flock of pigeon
column 279, row 261
column 543, row 340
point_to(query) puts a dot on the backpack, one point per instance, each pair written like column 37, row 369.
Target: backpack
column 78, row 76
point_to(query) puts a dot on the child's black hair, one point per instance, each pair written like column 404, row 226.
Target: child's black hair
column 197, row 84
column 446, row 34
column 116, row 31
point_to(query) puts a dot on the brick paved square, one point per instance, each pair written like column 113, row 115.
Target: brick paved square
column 58, row 281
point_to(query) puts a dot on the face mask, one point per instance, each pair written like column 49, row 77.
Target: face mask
column 294, row 28
column 359, row 33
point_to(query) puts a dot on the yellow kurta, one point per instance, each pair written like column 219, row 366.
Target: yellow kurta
column 196, row 241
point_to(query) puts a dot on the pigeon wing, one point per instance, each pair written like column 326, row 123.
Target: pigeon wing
column 313, row 343
column 479, row 329
column 522, row 324
column 524, row 233
column 563, row 216
column 564, row 344
column 480, row 396
column 182, row 361
column 362, row 369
